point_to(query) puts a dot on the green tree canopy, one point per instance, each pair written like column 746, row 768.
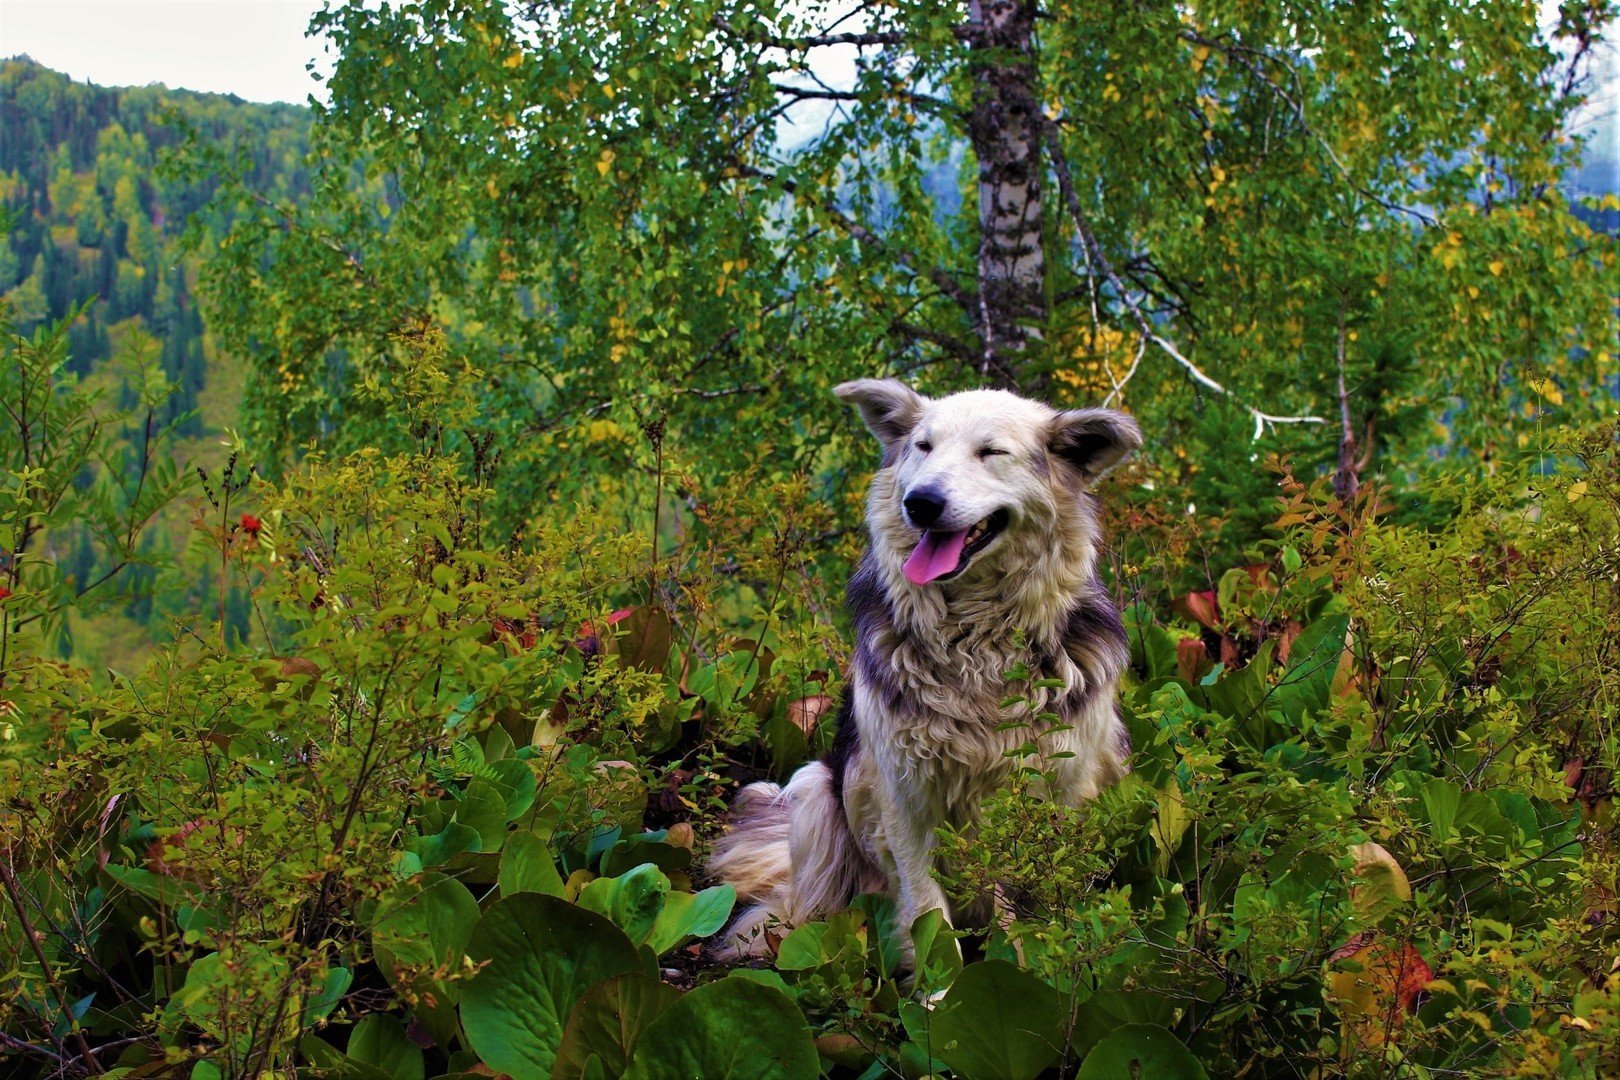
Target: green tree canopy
column 1215, row 214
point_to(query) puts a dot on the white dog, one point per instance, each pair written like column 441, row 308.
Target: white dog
column 983, row 555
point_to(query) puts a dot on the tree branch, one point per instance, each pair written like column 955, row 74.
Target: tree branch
column 813, row 41
column 1237, row 54
column 1060, row 166
column 938, row 275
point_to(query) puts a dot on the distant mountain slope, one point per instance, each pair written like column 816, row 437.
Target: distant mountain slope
column 98, row 218
column 98, row 223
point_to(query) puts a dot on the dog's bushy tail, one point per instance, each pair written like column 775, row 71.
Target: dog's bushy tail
column 792, row 859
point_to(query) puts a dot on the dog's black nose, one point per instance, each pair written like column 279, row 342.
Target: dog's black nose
column 924, row 506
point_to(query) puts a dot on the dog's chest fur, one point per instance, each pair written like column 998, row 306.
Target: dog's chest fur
column 937, row 672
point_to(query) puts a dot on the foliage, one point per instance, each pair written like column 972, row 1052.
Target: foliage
column 94, row 242
column 705, row 217
column 414, row 834
column 530, row 556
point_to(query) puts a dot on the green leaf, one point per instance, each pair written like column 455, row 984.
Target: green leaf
column 691, row 915
column 841, row 938
column 633, row 900
column 331, row 1063
column 514, row 779
column 334, row 985
column 442, row 846
column 607, row 1021
column 1140, row 1050
column 997, row 1022
column 1441, row 800
column 527, row 867
column 425, row 926
column 733, row 1029
column 1313, row 661
column 483, row 807
column 540, row 955
column 939, row 957
column 380, row 1040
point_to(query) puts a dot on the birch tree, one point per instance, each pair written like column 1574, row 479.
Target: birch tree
column 1313, row 221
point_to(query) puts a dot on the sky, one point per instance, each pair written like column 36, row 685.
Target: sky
column 254, row 49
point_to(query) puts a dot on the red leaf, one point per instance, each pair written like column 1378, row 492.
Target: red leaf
column 1201, row 607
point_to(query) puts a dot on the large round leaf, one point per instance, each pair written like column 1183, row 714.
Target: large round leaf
column 1141, row 1050
column 541, row 954
column 380, row 1040
column 733, row 1029
column 607, row 1023
column 691, row 915
column 423, row 927
column 527, row 866
column 998, row 1022
column 633, row 900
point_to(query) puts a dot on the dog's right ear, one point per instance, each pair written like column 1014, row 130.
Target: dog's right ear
column 889, row 407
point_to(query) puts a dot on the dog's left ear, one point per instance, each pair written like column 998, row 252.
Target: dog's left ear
column 1092, row 441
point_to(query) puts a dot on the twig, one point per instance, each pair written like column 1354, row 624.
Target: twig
column 813, row 41
column 1119, row 384
column 1235, row 53
column 941, row 279
column 1060, row 166
column 9, row 880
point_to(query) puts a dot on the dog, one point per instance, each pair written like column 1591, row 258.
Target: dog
column 983, row 555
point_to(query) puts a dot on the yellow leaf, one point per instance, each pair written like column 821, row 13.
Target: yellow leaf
column 1473, row 292
column 1381, row 885
column 605, row 162
column 1496, row 266
column 514, row 60
column 1576, row 490
column 1548, row 389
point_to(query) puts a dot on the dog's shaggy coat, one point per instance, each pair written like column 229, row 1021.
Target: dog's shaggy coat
column 983, row 556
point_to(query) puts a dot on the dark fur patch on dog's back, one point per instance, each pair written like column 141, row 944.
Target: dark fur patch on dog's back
column 846, row 743
column 1094, row 637
column 869, row 611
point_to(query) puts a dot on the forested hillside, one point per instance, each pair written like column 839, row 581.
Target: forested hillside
column 100, row 240
column 528, row 549
column 98, row 217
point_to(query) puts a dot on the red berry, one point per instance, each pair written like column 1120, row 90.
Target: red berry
column 251, row 525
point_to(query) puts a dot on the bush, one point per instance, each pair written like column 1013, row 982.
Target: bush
column 443, row 807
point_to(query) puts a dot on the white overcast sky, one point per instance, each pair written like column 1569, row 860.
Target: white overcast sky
column 255, row 49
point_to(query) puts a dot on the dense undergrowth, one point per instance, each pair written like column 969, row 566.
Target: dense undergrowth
column 444, row 814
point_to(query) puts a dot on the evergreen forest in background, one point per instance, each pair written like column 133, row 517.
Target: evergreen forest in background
column 424, row 510
column 98, row 242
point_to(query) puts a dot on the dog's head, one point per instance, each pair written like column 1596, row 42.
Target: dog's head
column 964, row 474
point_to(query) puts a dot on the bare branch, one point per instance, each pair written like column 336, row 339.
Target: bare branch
column 1240, row 55
column 813, row 41
column 1117, row 393
column 805, row 93
column 1088, row 239
column 947, row 342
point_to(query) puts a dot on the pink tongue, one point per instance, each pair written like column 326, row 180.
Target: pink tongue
column 937, row 554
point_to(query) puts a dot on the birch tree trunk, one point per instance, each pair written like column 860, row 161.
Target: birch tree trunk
column 1005, row 131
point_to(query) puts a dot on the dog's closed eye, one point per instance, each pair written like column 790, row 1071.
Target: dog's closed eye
column 925, row 446
column 992, row 451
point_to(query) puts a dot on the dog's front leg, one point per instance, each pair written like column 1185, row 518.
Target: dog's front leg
column 910, row 818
